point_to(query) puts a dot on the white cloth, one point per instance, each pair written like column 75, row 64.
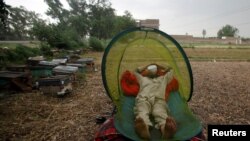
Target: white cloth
column 151, row 98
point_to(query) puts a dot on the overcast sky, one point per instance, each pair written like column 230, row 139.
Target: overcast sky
column 176, row 16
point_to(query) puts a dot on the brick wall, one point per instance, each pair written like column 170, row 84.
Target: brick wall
column 154, row 23
column 191, row 39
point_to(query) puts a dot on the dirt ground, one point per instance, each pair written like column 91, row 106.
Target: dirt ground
column 221, row 92
column 221, row 96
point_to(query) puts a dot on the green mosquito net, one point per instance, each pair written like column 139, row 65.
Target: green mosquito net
column 139, row 47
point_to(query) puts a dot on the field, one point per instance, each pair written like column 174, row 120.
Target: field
column 219, row 54
column 13, row 44
column 221, row 96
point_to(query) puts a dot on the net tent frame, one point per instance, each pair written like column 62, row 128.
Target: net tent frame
column 137, row 47
column 144, row 29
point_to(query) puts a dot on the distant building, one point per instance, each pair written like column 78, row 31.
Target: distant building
column 154, row 23
column 192, row 39
column 236, row 40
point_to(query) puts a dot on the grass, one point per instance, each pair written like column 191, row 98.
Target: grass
column 215, row 45
column 13, row 44
column 217, row 53
column 9, row 45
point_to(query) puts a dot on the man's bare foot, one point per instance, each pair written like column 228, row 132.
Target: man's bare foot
column 169, row 129
column 141, row 128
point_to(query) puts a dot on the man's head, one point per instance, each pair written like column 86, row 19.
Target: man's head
column 152, row 70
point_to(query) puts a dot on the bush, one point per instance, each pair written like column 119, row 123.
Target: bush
column 23, row 51
column 96, row 44
column 106, row 42
column 18, row 55
column 61, row 37
column 62, row 54
column 46, row 50
column 12, row 56
column 83, row 44
column 36, row 51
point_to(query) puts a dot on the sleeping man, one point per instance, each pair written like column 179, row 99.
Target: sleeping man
column 150, row 101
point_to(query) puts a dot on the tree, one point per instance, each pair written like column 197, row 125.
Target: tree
column 56, row 11
column 96, row 18
column 228, row 31
column 124, row 22
column 102, row 16
column 56, row 35
column 204, row 32
column 4, row 12
column 78, row 16
column 18, row 24
column 71, row 24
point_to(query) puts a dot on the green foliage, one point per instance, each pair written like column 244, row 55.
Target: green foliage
column 4, row 13
column 61, row 54
column 228, row 31
column 102, row 20
column 18, row 55
column 57, row 35
column 23, row 51
column 96, row 44
column 123, row 22
column 72, row 26
column 96, row 18
column 46, row 49
column 83, row 44
column 69, row 38
column 56, row 10
column 36, row 51
column 12, row 56
column 79, row 17
column 18, row 24
column 104, row 23
column 105, row 42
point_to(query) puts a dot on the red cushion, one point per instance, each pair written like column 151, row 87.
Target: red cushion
column 172, row 86
column 129, row 84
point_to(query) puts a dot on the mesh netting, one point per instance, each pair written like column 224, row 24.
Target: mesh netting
column 140, row 47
